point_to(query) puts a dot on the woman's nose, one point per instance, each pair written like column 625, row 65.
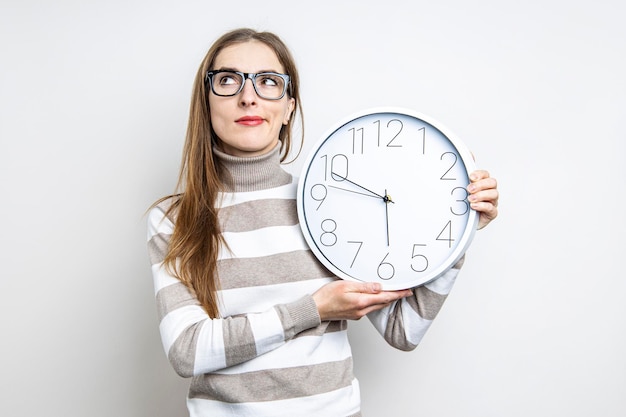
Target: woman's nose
column 248, row 94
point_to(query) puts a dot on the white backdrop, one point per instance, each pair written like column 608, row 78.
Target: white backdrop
column 93, row 106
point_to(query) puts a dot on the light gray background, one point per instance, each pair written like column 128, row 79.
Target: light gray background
column 93, row 106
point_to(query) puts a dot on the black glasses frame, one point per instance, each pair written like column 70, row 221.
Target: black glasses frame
column 247, row 76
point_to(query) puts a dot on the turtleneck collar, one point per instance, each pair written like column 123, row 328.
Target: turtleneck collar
column 253, row 173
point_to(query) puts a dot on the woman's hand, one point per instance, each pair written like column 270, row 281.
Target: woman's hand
column 483, row 196
column 348, row 300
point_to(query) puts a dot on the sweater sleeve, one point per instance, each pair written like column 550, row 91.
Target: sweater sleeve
column 194, row 343
column 404, row 323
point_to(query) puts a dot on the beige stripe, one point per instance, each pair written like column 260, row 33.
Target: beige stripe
column 172, row 297
column 182, row 354
column 426, row 303
column 394, row 332
column 298, row 316
column 239, row 344
column 325, row 327
column 240, row 218
column 157, row 247
column 269, row 270
column 273, row 384
column 257, row 214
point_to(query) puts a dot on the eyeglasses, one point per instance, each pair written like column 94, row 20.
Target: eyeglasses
column 268, row 85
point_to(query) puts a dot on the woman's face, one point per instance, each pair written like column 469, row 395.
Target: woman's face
column 246, row 124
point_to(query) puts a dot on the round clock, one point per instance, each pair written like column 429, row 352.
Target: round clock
column 382, row 198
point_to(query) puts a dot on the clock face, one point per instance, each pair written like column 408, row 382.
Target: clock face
column 382, row 198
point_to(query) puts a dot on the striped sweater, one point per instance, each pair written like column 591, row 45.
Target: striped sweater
column 268, row 354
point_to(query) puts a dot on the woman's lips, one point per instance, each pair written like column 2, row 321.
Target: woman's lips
column 250, row 120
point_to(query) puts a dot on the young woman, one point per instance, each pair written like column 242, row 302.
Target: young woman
column 245, row 309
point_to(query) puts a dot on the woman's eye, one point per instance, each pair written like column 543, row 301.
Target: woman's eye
column 227, row 80
column 269, row 81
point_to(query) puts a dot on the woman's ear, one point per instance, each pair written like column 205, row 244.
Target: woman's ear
column 289, row 112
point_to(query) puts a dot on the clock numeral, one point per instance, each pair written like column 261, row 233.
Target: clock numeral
column 446, row 234
column 328, row 238
column 377, row 123
column 338, row 167
column 385, row 269
column 319, row 193
column 462, row 203
column 390, row 144
column 355, row 140
column 423, row 130
column 357, row 251
column 455, row 159
column 419, row 262
column 397, row 129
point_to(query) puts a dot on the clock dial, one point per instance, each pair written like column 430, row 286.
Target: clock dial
column 382, row 197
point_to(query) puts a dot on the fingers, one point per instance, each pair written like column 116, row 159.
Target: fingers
column 483, row 196
column 368, row 301
column 489, row 196
column 384, row 297
column 478, row 174
column 488, row 212
column 374, row 288
column 480, row 180
column 363, row 287
column 353, row 300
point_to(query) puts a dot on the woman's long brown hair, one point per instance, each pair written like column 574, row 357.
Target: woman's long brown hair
column 196, row 239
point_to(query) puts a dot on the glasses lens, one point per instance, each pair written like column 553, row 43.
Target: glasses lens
column 227, row 83
column 270, row 85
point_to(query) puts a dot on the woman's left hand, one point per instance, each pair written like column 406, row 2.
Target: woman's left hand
column 483, row 196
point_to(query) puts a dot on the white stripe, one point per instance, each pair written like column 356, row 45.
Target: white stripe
column 262, row 298
column 263, row 242
column 415, row 326
column 158, row 223
column 443, row 284
column 267, row 330
column 284, row 192
column 161, row 278
column 210, row 351
column 342, row 402
column 380, row 318
column 176, row 321
column 302, row 351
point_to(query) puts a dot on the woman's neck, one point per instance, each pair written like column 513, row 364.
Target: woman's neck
column 252, row 173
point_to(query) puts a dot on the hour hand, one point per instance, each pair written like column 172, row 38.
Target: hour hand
column 369, row 192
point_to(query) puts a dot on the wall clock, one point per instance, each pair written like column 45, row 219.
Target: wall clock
column 382, row 197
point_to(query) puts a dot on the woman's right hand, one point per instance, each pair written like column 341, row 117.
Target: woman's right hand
column 349, row 300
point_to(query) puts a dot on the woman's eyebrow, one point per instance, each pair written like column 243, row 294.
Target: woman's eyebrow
column 226, row 69
column 236, row 70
